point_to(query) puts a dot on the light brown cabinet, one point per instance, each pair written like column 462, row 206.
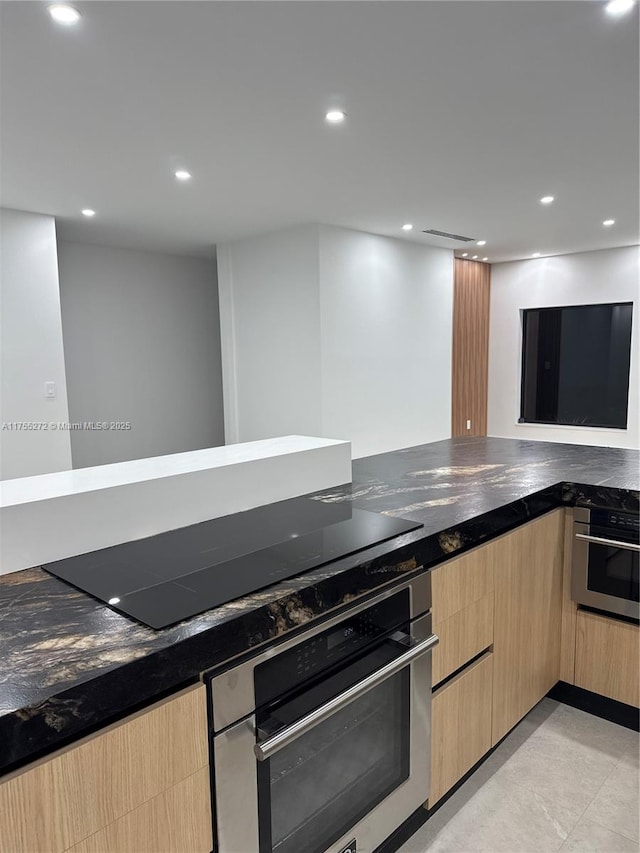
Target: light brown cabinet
column 461, row 725
column 139, row 785
column 513, row 597
column 607, row 657
column 462, row 637
column 173, row 821
column 504, row 599
column 527, row 618
column 462, row 592
column 569, row 607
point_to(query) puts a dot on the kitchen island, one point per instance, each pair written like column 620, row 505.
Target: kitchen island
column 71, row 665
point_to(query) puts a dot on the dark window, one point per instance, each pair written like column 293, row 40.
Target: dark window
column 575, row 365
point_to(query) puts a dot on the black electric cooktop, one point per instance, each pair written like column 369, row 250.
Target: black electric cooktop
column 166, row 578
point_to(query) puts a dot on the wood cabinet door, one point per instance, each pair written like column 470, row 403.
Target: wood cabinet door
column 460, row 725
column 527, row 618
column 105, row 791
column 462, row 591
column 607, row 655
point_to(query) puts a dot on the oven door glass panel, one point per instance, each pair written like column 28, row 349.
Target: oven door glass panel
column 611, row 570
column 316, row 789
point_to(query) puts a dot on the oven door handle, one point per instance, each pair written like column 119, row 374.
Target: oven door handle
column 598, row 540
column 266, row 748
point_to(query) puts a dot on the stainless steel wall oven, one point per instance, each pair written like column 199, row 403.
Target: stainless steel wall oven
column 605, row 560
column 321, row 743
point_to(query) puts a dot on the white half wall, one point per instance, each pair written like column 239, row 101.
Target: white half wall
column 142, row 345
column 338, row 333
column 74, row 512
column 611, row 275
column 31, row 349
column 386, row 330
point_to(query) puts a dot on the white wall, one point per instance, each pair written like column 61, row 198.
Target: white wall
column 336, row 333
column 31, row 348
column 142, row 344
column 386, row 317
column 270, row 325
column 73, row 512
column 580, row 279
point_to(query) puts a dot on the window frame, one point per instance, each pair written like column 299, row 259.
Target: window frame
column 523, row 351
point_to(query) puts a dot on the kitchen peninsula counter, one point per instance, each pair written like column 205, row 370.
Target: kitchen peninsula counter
column 70, row 665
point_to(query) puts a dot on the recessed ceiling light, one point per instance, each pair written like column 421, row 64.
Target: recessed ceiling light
column 335, row 116
column 464, row 254
column 113, row 601
column 182, row 175
column 535, row 255
column 88, row 212
column 608, row 222
column 407, row 226
column 619, row 7
column 63, row 14
column 485, row 259
column 481, row 243
column 546, row 199
column 473, row 257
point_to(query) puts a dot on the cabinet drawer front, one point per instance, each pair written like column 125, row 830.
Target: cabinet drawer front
column 58, row 801
column 462, row 637
column 607, row 653
column 527, row 629
column 460, row 725
column 458, row 583
column 178, row 819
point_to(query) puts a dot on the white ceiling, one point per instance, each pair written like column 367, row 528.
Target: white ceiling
column 461, row 115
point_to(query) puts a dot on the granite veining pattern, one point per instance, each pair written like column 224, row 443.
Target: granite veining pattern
column 69, row 664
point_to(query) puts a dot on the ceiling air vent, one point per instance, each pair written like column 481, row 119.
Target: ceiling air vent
column 450, row 236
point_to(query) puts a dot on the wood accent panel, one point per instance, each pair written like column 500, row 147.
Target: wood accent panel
column 527, row 631
column 470, row 356
column 569, row 607
column 458, row 583
column 61, row 800
column 460, row 725
column 178, row 819
column 462, row 636
column 607, row 655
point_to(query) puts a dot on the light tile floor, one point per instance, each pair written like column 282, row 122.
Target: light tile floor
column 563, row 780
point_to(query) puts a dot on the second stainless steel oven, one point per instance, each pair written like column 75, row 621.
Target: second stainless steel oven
column 321, row 743
column 604, row 571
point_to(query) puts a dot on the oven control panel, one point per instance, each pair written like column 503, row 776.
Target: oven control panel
column 322, row 651
column 333, row 645
column 623, row 521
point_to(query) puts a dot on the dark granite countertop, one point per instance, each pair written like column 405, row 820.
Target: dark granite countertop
column 70, row 665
